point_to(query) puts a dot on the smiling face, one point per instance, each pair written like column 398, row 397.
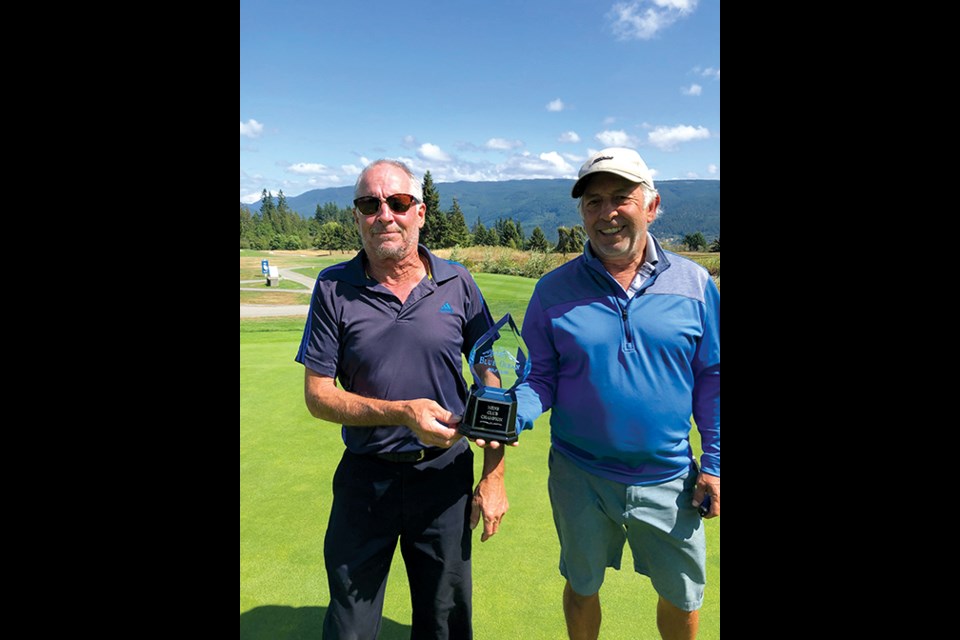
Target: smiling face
column 387, row 234
column 616, row 218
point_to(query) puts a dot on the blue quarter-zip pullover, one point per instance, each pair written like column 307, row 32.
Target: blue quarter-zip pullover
column 624, row 375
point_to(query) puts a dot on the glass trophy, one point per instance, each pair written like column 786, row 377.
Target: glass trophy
column 499, row 363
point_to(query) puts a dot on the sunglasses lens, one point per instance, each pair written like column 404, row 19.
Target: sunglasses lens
column 400, row 202
column 367, row 205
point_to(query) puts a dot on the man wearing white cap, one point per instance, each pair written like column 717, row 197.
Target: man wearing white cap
column 624, row 343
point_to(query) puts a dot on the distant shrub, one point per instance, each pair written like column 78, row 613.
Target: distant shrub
column 502, row 260
column 538, row 264
column 458, row 255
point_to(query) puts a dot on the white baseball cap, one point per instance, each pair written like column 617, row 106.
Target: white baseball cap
column 621, row 161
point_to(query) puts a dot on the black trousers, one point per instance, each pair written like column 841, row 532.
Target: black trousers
column 425, row 506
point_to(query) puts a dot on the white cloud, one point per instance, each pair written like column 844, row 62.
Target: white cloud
column 250, row 198
column 528, row 166
column 351, row 169
column 500, row 144
column 683, row 6
column 555, row 105
column 642, row 19
column 692, row 90
column 616, row 139
column 555, row 159
column 712, row 169
column 710, row 72
column 307, row 168
column 432, row 152
column 609, row 120
column 251, row 128
column 409, row 142
column 667, row 138
column 569, row 136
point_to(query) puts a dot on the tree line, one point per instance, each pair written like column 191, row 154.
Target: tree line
column 277, row 226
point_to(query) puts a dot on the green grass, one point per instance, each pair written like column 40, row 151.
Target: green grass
column 506, row 294
column 272, row 325
column 287, row 459
column 249, row 273
column 288, row 285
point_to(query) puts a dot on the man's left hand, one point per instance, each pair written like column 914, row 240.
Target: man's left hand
column 707, row 485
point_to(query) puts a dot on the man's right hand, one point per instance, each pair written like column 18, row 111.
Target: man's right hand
column 432, row 423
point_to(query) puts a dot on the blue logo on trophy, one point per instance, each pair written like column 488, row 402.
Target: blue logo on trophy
column 499, row 363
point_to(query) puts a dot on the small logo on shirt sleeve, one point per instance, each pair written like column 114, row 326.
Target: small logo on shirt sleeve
column 446, row 308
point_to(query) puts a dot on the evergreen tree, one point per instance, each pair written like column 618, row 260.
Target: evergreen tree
column 266, row 201
column 480, row 237
column 267, row 211
column 563, row 240
column 327, row 213
column 283, row 222
column 577, row 237
column 434, row 226
column 349, row 234
column 246, row 222
column 493, row 236
column 497, row 232
column 715, row 245
column 509, row 236
column 308, row 235
column 538, row 241
column 457, row 232
column 262, row 229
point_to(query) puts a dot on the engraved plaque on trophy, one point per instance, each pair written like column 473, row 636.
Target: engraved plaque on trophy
column 499, row 363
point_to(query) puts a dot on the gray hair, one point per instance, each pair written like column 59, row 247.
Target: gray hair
column 416, row 189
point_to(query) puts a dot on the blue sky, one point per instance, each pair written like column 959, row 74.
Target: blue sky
column 474, row 89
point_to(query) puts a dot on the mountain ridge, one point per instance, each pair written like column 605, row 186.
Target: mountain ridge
column 687, row 206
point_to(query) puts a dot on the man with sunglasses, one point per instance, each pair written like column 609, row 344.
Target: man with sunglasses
column 624, row 343
column 390, row 325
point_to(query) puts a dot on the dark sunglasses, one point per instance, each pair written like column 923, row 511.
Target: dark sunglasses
column 398, row 203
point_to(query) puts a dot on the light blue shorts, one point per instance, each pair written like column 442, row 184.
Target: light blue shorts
column 595, row 516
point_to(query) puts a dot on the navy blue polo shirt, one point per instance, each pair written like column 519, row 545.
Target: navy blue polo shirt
column 358, row 332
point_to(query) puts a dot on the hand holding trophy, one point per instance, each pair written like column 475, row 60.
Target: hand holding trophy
column 491, row 411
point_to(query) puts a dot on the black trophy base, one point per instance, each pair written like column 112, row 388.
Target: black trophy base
column 490, row 414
